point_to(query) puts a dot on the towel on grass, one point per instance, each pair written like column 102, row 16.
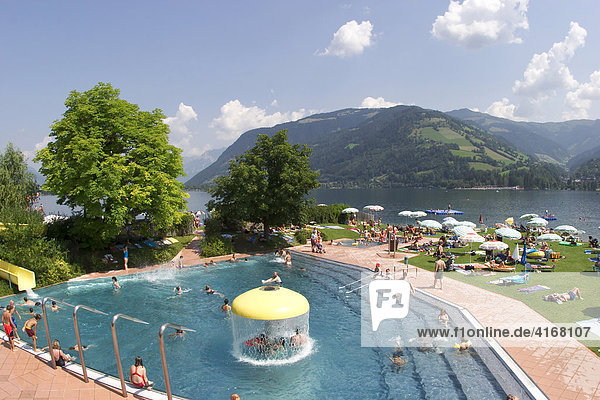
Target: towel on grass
column 533, row 289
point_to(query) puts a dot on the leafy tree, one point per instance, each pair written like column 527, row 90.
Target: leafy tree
column 17, row 185
column 114, row 162
column 266, row 184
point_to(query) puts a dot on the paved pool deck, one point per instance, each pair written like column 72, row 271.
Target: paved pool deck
column 569, row 371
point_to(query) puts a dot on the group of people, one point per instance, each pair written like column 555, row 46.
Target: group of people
column 316, row 242
column 265, row 346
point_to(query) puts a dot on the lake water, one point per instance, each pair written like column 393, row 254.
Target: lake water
column 580, row 209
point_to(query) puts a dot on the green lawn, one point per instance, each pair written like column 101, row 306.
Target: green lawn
column 575, row 270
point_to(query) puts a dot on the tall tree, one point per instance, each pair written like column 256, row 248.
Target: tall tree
column 114, row 162
column 266, row 184
column 17, row 185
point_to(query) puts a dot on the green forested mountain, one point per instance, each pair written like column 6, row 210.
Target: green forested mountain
column 400, row 146
column 566, row 143
column 587, row 176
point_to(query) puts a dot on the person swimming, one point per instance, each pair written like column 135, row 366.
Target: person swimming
column 115, row 283
column 208, row 290
column 178, row 290
column 226, row 307
column 55, row 307
column 274, row 279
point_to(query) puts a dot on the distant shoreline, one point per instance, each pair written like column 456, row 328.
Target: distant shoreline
column 491, row 188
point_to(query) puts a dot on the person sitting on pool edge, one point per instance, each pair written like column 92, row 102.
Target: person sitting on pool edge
column 60, row 358
column 137, row 375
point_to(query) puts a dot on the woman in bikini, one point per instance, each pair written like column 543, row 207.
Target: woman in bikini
column 137, row 374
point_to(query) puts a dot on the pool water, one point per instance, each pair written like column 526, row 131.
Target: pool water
column 202, row 365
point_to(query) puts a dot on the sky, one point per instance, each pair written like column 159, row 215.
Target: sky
column 219, row 68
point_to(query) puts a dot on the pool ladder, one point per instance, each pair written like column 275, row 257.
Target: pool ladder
column 115, row 341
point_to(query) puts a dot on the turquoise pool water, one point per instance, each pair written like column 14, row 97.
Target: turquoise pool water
column 202, row 364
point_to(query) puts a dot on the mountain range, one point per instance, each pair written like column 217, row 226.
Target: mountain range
column 412, row 146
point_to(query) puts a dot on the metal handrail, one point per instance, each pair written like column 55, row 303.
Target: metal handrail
column 116, row 345
column 163, row 357
column 77, row 307
column 46, row 325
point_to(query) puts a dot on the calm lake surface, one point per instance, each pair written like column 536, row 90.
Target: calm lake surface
column 580, row 209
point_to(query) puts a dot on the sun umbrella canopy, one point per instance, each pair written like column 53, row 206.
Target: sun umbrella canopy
column 528, row 216
column 373, row 208
column 467, row 223
column 418, row 214
column 405, row 213
column 537, row 222
column 566, row 229
column 510, row 221
column 349, row 210
column 321, row 205
column 449, row 219
column 430, row 224
column 550, row 237
column 472, row 237
column 509, row 233
column 462, row 230
column 493, row 245
column 451, row 223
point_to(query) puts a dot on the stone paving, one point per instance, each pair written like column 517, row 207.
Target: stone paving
column 566, row 372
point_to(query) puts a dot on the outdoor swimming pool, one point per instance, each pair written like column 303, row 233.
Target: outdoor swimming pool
column 202, row 365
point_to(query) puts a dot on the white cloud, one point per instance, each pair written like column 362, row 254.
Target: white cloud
column 181, row 136
column 30, row 154
column 350, row 40
column 236, row 119
column 475, row 24
column 503, row 109
column 379, row 102
column 579, row 101
column 547, row 72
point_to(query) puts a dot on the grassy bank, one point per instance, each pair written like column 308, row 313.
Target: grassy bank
column 574, row 270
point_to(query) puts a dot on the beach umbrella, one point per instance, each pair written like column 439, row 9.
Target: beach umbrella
column 467, row 223
column 418, row 214
column 430, row 224
column 550, row 237
column 321, row 205
column 373, row 208
column 537, row 222
column 509, row 233
column 451, row 223
column 449, row 219
column 528, row 216
column 509, row 221
column 493, row 245
column 515, row 254
column 405, row 213
column 471, row 237
column 349, row 210
column 565, row 229
column 462, row 230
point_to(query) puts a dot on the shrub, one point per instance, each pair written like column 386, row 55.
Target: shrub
column 302, row 236
column 324, row 236
column 216, row 246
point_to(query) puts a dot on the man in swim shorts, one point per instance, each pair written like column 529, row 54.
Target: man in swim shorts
column 9, row 326
column 30, row 328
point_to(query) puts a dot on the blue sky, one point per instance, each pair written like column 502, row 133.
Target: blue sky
column 217, row 69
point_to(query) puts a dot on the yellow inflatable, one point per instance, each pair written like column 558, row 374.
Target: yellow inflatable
column 536, row 254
